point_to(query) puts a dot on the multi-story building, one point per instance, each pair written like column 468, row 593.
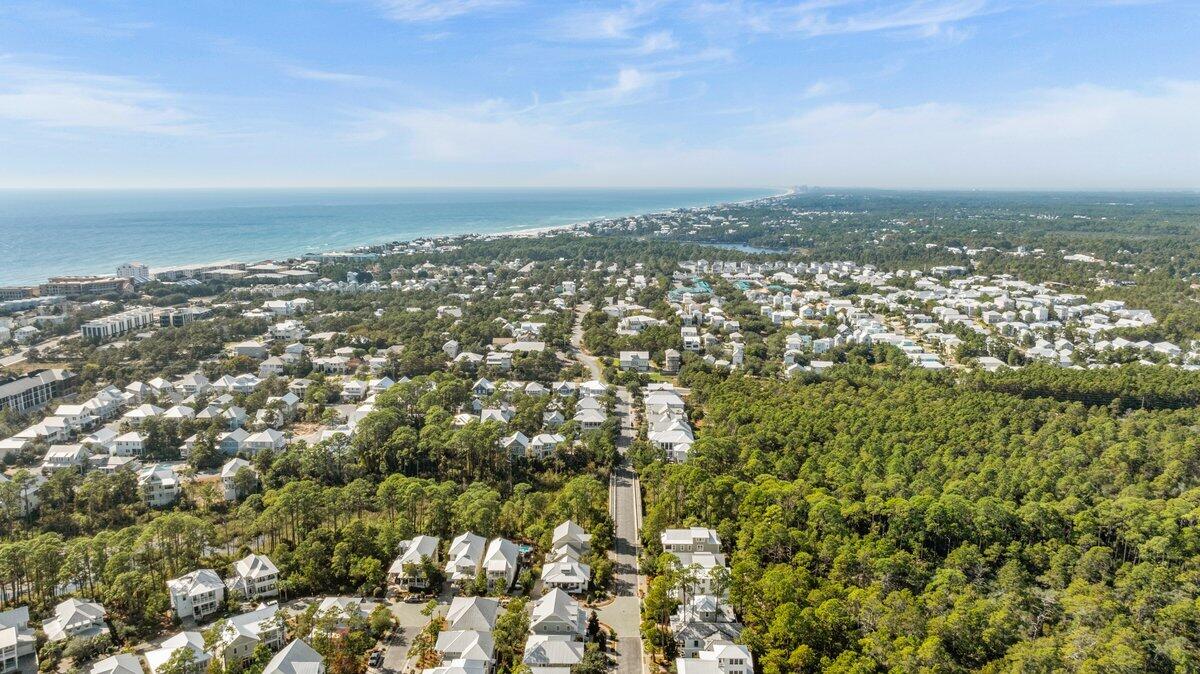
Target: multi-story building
column 134, row 271
column 15, row 293
column 255, row 576
column 722, row 658
column 694, row 539
column 34, row 390
column 72, row 286
column 196, row 595
column 17, row 640
column 242, row 634
column 107, row 327
column 159, row 485
column 173, row 318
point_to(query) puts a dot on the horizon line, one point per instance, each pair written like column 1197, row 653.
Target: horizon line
column 792, row 189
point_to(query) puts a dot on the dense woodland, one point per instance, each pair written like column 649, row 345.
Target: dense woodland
column 887, row 520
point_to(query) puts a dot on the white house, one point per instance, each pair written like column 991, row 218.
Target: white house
column 465, row 557
column 296, row 658
column 722, row 658
column 65, row 457
column 515, row 444
column 193, row 384
column 473, row 613
column 193, row 641
column 500, row 360
column 75, row 416
column 570, row 534
column 179, row 413
column 233, row 441
column 466, row 645
column 556, row 613
column 567, row 574
column 142, row 412
column 197, row 595
column 249, row 349
column 229, row 473
column 592, row 389
column 693, row 539
column 406, row 571
column 76, row 618
column 121, row 663
column 243, row 633
column 590, row 419
column 159, row 485
column 544, row 444
column 637, row 361
column 265, row 439
column 17, row 641
column 255, row 577
column 132, row 443
column 500, row 563
column 701, row 623
column 273, row 366
column 552, row 653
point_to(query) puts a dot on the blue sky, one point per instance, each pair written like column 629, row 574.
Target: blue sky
column 904, row 93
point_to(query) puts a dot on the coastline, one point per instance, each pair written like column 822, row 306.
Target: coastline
column 537, row 231
column 300, row 249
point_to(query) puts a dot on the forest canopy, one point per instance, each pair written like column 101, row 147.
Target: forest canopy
column 887, row 521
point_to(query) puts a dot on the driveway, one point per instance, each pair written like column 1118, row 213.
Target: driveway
column 409, row 621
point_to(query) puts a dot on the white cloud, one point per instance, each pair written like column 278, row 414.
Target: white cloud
column 605, row 24
column 1074, row 137
column 483, row 134
column 317, row 75
column 422, row 11
column 1083, row 136
column 78, row 100
column 823, row 88
column 70, row 20
column 659, row 41
column 629, row 86
column 631, row 81
column 924, row 18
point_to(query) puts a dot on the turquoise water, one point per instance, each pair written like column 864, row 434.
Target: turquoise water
column 49, row 232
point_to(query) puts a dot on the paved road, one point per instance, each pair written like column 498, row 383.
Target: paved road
column 624, row 613
column 589, row 361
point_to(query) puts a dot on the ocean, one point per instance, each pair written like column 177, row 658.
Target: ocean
column 55, row 232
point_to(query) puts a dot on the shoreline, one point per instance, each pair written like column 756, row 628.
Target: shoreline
column 523, row 233
column 536, row 231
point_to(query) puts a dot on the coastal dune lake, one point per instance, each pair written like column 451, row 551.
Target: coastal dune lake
column 53, row 232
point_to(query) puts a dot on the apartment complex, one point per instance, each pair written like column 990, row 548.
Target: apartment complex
column 108, row 327
column 33, row 390
column 72, row 286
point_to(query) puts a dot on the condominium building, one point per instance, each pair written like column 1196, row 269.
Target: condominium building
column 108, row 327
column 33, row 390
column 71, row 286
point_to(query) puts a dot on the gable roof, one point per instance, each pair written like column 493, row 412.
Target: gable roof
column 296, row 658
column 473, row 613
